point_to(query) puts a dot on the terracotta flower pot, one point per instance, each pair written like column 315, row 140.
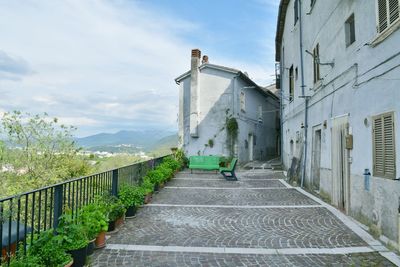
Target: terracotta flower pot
column 147, row 198
column 119, row 221
column 100, row 241
column 13, row 248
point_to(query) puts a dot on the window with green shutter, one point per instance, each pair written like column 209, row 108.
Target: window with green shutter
column 384, row 146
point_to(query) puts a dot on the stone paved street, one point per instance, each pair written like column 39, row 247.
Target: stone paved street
column 202, row 220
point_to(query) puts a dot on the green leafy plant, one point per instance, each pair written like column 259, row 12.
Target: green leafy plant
column 45, row 250
column 166, row 171
column 173, row 163
column 232, row 127
column 181, row 158
column 211, row 142
column 114, row 206
column 71, row 235
column 155, row 176
column 93, row 217
column 131, row 195
column 147, row 186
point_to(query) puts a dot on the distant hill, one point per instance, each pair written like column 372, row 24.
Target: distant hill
column 129, row 141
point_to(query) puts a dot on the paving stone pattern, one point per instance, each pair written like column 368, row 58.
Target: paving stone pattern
column 227, row 184
column 242, row 228
column 232, row 197
column 286, row 225
column 173, row 259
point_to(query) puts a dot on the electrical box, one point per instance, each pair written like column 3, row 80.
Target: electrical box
column 349, row 141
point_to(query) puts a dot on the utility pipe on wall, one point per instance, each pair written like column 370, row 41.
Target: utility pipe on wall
column 303, row 173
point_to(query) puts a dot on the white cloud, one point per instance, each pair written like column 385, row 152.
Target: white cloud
column 99, row 64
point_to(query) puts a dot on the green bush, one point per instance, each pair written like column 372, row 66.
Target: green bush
column 71, row 235
column 166, row 171
column 131, row 195
column 94, row 219
column 155, row 176
column 147, row 186
column 114, row 206
column 45, row 250
column 172, row 163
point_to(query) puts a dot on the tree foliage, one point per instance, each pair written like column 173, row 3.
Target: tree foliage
column 37, row 150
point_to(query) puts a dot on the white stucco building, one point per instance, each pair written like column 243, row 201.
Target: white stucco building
column 213, row 97
column 340, row 84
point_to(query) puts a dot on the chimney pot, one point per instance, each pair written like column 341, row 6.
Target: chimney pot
column 205, row 59
column 196, row 53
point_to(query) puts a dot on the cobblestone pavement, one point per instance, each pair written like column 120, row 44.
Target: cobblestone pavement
column 244, row 183
column 166, row 259
column 202, row 220
column 243, row 228
column 232, row 197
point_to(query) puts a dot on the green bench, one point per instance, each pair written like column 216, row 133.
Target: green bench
column 230, row 170
column 209, row 163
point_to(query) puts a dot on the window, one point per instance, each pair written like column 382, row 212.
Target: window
column 317, row 76
column 384, row 146
column 296, row 11
column 388, row 13
column 291, row 84
column 260, row 113
column 242, row 101
column 350, row 30
column 296, row 71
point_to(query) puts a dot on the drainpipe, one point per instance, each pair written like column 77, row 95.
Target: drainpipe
column 282, row 63
column 303, row 173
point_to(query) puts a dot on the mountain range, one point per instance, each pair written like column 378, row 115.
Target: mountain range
column 129, row 141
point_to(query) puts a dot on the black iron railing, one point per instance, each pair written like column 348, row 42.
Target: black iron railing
column 29, row 213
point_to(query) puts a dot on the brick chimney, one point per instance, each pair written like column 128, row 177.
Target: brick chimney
column 194, row 92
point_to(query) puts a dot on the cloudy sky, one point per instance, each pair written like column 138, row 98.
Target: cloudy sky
column 109, row 65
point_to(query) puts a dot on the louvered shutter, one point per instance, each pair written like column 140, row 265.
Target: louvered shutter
column 388, row 13
column 393, row 10
column 384, row 146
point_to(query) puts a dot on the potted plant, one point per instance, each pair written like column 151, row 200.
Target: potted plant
column 93, row 218
column 25, row 261
column 154, row 177
column 45, row 250
column 116, row 211
column 131, row 197
column 147, row 188
column 73, row 238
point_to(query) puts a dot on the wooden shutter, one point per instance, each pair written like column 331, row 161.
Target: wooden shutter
column 382, row 15
column 388, row 13
column 393, row 10
column 384, row 146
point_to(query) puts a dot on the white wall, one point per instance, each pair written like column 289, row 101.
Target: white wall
column 360, row 84
column 218, row 100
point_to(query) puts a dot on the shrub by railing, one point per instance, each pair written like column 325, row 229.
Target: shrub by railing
column 29, row 213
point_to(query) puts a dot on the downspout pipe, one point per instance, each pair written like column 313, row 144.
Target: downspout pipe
column 303, row 173
column 281, row 68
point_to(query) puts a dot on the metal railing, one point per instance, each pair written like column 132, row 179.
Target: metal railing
column 29, row 213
